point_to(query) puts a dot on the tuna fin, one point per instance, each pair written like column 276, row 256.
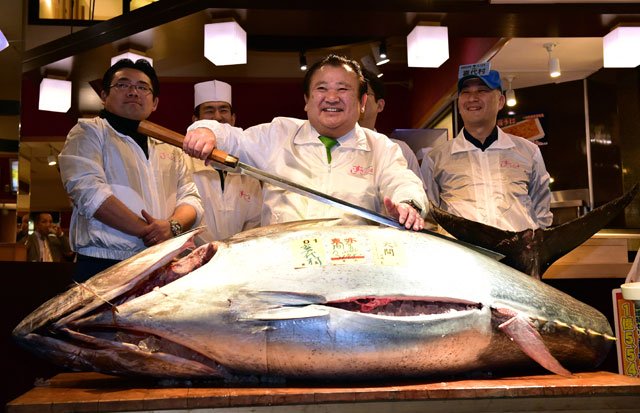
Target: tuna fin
column 530, row 342
column 278, row 305
column 288, row 313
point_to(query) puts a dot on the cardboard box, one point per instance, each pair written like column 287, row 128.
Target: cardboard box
column 626, row 316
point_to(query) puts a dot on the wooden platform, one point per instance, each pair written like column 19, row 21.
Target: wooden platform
column 93, row 392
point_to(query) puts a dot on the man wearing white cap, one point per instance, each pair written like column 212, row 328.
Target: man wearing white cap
column 232, row 202
column 484, row 174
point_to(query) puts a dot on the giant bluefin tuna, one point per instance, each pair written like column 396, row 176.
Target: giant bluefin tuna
column 303, row 300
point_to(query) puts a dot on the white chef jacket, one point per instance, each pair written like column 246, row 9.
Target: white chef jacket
column 410, row 156
column 506, row 186
column 227, row 212
column 97, row 162
column 365, row 167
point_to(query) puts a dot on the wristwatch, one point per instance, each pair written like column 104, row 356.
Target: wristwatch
column 176, row 227
column 413, row 205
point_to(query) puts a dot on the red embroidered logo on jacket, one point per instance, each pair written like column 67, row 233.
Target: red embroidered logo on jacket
column 508, row 164
column 361, row 170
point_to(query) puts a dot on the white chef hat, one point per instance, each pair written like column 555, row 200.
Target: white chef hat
column 211, row 91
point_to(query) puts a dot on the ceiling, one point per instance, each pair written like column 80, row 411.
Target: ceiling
column 171, row 32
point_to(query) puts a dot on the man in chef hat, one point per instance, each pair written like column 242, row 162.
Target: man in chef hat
column 213, row 101
column 232, row 202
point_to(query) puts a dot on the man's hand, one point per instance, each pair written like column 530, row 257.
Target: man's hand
column 157, row 230
column 405, row 214
column 57, row 230
column 199, row 143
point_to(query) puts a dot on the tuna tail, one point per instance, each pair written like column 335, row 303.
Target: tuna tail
column 533, row 251
column 561, row 239
column 520, row 249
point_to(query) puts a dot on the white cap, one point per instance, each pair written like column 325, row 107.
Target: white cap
column 211, row 91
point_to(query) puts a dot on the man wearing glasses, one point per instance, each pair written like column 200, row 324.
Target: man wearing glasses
column 129, row 191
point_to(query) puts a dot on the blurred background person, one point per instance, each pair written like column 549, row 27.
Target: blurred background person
column 48, row 242
column 375, row 105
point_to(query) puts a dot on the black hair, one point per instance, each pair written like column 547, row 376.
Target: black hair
column 376, row 84
column 336, row 61
column 140, row 64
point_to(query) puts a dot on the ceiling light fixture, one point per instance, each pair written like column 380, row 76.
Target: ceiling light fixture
column 554, row 62
column 427, row 46
column 380, row 53
column 55, row 95
column 4, row 43
column 51, row 159
column 510, row 94
column 620, row 47
column 303, row 61
column 383, row 49
column 133, row 55
column 370, row 65
column 225, row 43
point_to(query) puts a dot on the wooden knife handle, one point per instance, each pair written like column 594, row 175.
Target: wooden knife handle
column 176, row 139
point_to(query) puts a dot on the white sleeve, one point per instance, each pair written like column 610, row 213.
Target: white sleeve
column 82, row 170
column 539, row 191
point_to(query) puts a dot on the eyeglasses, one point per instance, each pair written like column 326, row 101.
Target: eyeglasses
column 123, row 87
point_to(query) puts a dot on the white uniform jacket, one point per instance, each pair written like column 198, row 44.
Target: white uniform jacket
column 227, row 212
column 365, row 167
column 410, row 157
column 97, row 162
column 506, row 186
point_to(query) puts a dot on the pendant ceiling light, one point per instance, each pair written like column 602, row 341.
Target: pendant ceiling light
column 621, row 47
column 303, row 61
column 225, row 43
column 554, row 62
column 55, row 95
column 52, row 160
column 510, row 93
column 427, row 46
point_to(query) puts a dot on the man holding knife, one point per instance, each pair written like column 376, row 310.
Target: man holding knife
column 329, row 152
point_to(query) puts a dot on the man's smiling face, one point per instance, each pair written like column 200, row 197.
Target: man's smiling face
column 478, row 104
column 333, row 106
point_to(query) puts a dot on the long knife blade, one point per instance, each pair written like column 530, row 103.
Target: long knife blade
column 227, row 162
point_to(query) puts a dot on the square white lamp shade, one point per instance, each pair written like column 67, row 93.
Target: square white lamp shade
column 131, row 56
column 620, row 47
column 4, row 43
column 225, row 43
column 427, row 46
column 55, row 95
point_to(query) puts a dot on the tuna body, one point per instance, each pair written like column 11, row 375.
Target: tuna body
column 311, row 301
